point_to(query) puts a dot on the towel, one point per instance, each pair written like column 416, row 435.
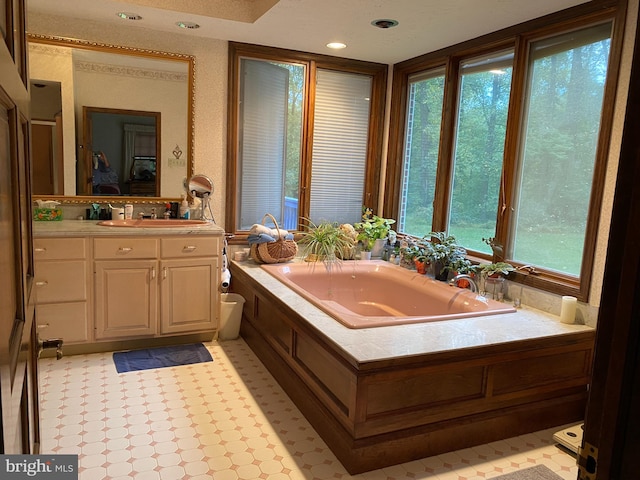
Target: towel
column 258, row 230
column 264, row 238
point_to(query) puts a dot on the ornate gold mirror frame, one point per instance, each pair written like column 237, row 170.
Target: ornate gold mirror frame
column 189, row 60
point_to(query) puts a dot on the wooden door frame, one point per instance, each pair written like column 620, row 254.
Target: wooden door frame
column 612, row 427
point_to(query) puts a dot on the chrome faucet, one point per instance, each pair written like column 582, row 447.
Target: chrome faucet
column 463, row 276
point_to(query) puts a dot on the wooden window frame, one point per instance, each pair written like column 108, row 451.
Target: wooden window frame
column 312, row 62
column 518, row 37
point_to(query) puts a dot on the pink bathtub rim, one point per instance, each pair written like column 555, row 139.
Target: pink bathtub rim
column 368, row 294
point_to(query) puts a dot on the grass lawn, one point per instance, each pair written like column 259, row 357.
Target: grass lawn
column 558, row 251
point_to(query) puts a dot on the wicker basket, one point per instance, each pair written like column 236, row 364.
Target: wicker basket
column 279, row 251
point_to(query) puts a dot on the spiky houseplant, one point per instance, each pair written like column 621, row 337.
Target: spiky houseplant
column 325, row 242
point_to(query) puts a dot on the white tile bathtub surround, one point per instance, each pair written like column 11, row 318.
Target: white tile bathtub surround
column 537, row 299
column 550, row 303
column 371, row 344
column 529, row 297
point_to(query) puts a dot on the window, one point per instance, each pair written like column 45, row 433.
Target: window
column 341, row 125
column 298, row 152
column 485, row 85
column 270, row 115
column 424, row 116
column 509, row 143
column 564, row 95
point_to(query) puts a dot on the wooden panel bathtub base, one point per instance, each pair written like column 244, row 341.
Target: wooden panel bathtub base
column 361, row 455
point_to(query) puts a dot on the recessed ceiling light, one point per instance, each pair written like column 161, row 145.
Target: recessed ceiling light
column 129, row 16
column 336, row 45
column 384, row 23
column 189, row 25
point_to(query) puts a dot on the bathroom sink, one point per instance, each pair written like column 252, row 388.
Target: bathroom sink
column 153, row 223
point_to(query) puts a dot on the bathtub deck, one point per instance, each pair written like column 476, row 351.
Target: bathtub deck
column 387, row 395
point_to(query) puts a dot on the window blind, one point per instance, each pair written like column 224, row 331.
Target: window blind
column 262, row 141
column 341, row 126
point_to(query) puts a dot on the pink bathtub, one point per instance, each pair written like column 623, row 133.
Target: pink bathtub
column 376, row 293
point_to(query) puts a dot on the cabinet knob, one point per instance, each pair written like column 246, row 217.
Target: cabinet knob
column 42, row 283
column 189, row 248
column 153, row 272
column 125, row 249
column 39, row 249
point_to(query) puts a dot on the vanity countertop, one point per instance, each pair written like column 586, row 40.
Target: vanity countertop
column 371, row 344
column 90, row 228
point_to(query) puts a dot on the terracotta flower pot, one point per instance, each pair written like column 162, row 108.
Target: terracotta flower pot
column 421, row 267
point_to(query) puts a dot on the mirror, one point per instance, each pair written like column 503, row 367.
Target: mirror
column 89, row 77
column 200, row 186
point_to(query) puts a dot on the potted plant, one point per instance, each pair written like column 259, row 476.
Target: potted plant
column 444, row 253
column 495, row 270
column 493, row 276
column 373, row 231
column 325, row 242
column 408, row 251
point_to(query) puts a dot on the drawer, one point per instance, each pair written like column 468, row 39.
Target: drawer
column 59, row 248
column 69, row 321
column 190, row 246
column 124, row 248
column 61, row 281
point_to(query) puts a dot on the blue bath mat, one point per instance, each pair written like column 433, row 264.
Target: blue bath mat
column 161, row 357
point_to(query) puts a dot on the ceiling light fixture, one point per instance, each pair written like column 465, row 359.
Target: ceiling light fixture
column 384, row 23
column 336, row 45
column 129, row 16
column 188, row 25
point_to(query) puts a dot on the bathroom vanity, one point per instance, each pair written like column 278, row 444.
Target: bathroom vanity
column 100, row 284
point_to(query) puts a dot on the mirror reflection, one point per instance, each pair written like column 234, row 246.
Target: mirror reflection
column 200, row 186
column 120, row 152
column 116, row 112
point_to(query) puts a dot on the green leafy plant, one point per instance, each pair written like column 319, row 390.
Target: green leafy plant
column 444, row 252
column 325, row 242
column 495, row 269
column 462, row 265
column 372, row 228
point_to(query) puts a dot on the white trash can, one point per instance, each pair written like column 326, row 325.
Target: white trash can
column 230, row 315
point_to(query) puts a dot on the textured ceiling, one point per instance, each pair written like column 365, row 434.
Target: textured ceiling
column 247, row 11
column 308, row 25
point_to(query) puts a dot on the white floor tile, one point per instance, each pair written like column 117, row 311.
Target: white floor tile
column 225, row 420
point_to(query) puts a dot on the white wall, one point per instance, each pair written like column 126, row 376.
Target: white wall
column 56, row 64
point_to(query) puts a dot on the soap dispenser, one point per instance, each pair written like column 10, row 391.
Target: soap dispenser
column 184, row 208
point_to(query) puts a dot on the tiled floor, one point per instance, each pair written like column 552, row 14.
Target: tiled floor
column 226, row 419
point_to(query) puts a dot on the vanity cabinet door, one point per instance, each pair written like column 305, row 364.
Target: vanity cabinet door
column 188, row 295
column 126, row 298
